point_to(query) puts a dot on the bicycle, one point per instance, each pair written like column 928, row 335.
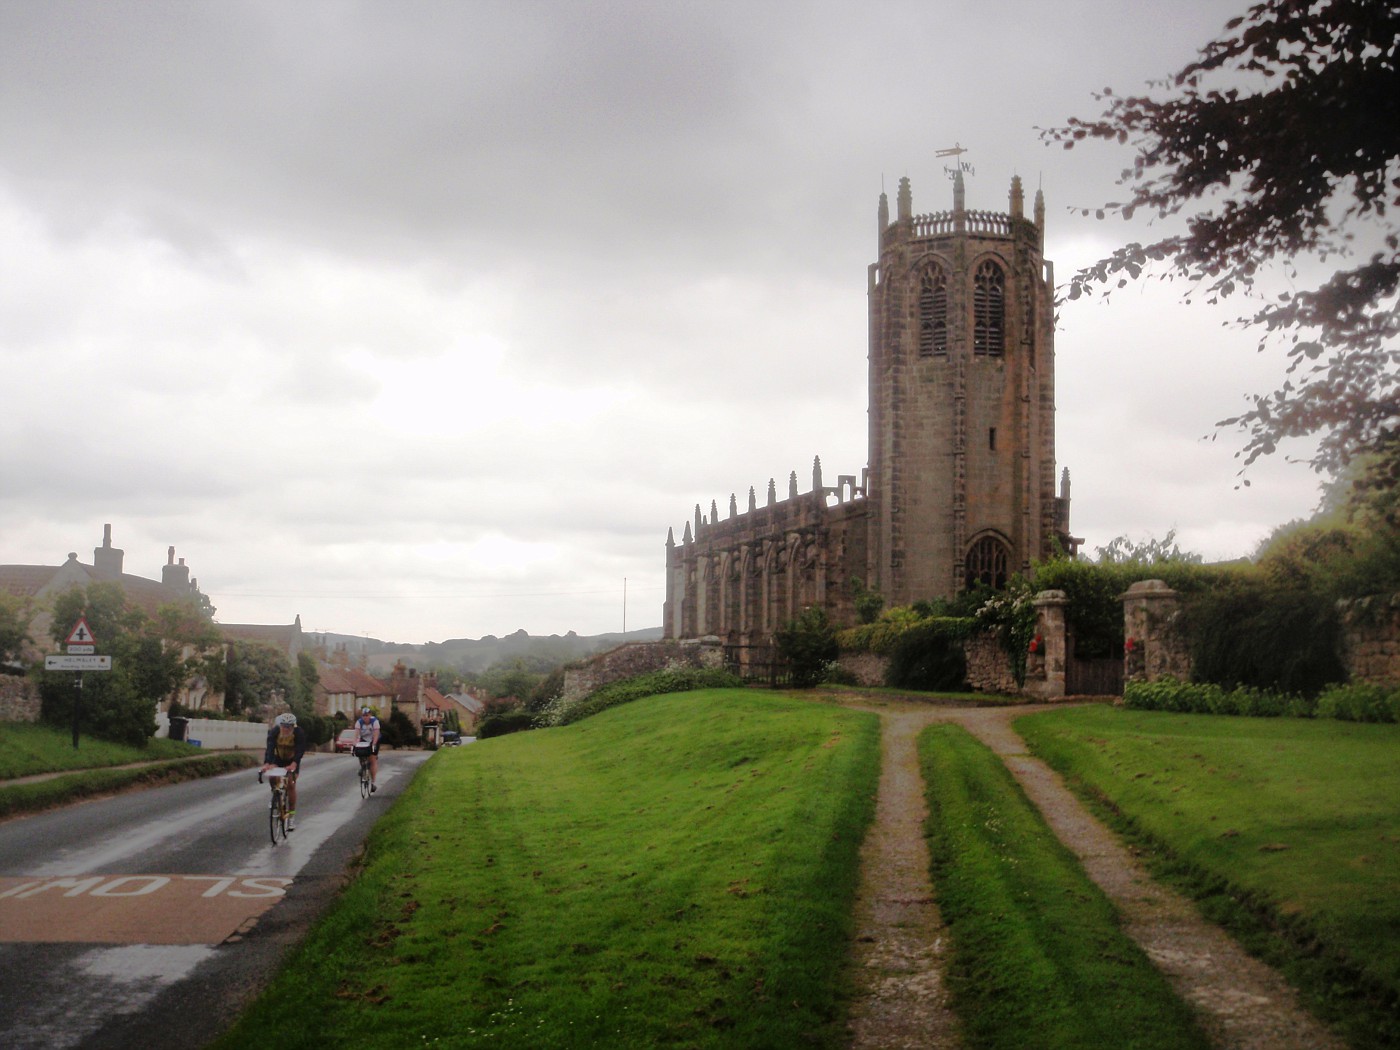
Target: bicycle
column 277, row 810
column 362, row 752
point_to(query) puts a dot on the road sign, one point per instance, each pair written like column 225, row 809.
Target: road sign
column 77, row 663
column 81, row 634
column 82, row 650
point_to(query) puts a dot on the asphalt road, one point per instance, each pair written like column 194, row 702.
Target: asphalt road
column 149, row 919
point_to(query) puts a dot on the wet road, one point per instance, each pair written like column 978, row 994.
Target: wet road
column 149, row 918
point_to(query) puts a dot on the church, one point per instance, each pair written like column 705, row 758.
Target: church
column 960, row 486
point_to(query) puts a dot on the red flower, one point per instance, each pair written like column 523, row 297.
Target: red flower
column 1036, row 643
column 1130, row 644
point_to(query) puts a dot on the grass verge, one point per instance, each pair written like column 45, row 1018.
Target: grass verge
column 678, row 871
column 1038, row 956
column 1286, row 832
column 29, row 748
column 69, row 787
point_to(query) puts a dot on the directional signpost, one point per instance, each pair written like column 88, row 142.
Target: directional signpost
column 81, row 656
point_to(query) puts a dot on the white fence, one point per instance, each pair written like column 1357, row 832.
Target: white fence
column 217, row 735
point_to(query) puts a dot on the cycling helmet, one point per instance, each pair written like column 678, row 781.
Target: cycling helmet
column 286, row 719
column 366, row 711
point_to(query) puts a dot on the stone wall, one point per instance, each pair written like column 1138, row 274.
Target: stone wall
column 1371, row 640
column 866, row 669
column 637, row 658
column 988, row 668
column 19, row 699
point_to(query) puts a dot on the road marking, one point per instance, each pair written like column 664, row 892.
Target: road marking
column 133, row 909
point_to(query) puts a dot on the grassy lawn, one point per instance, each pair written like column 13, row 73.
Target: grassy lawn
column 1286, row 830
column 27, row 748
column 678, row 871
column 1038, row 956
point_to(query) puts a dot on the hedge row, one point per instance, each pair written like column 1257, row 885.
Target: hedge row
column 1357, row 702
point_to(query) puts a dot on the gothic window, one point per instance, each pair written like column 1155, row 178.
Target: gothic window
column 933, row 313
column 986, row 564
column 989, row 311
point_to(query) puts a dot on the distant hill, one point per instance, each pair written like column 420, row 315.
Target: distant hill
column 468, row 654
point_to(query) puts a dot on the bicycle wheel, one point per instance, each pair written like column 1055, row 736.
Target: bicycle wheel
column 273, row 819
column 364, row 779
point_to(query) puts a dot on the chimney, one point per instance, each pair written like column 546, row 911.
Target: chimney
column 175, row 574
column 106, row 559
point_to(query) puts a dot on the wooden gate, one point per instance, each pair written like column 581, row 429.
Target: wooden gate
column 1096, row 677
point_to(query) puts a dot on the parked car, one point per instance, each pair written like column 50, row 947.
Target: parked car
column 345, row 740
column 450, row 737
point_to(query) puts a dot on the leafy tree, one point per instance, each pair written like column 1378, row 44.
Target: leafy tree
column 808, row 644
column 510, row 680
column 15, row 614
column 867, row 603
column 1287, row 169
column 1123, row 551
column 258, row 675
column 303, row 696
column 149, row 663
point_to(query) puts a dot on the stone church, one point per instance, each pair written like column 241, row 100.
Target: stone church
column 960, row 484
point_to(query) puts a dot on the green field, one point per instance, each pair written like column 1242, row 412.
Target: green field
column 679, row 871
column 27, row 748
column 1286, row 830
column 1038, row 956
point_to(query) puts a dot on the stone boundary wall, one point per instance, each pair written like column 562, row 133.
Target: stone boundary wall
column 19, row 699
column 636, row 658
column 1371, row 640
column 866, row 669
column 988, row 666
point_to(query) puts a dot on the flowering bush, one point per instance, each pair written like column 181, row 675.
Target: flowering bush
column 1011, row 613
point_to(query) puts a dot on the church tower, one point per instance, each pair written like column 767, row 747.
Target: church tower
column 961, row 483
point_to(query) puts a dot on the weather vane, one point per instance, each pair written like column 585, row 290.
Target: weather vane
column 957, row 165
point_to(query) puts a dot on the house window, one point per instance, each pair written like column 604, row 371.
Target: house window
column 989, row 311
column 992, row 438
column 986, row 564
column 933, row 313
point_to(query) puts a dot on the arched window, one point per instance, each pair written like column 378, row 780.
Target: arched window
column 986, row 564
column 989, row 311
column 933, row 313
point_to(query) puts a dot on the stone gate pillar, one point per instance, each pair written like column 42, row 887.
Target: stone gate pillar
column 1045, row 667
column 1153, row 647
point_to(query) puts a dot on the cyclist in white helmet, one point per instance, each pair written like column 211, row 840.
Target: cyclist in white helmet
column 367, row 729
column 286, row 744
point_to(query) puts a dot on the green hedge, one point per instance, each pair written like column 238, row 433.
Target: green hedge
column 1348, row 703
column 929, row 656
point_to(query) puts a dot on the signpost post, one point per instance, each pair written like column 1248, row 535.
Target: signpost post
column 81, row 656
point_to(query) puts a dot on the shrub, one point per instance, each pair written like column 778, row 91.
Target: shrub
column 808, row 645
column 512, row 721
column 1359, row 702
column 929, row 656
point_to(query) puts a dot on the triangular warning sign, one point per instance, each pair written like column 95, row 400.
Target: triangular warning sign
column 81, row 634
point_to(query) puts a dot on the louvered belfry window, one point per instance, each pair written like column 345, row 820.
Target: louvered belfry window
column 986, row 564
column 989, row 311
column 933, row 313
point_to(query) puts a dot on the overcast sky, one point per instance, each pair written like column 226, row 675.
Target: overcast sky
column 425, row 320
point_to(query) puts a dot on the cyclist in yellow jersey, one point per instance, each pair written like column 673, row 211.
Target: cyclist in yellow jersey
column 286, row 744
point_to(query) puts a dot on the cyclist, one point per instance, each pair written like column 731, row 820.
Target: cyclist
column 367, row 727
column 286, row 744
